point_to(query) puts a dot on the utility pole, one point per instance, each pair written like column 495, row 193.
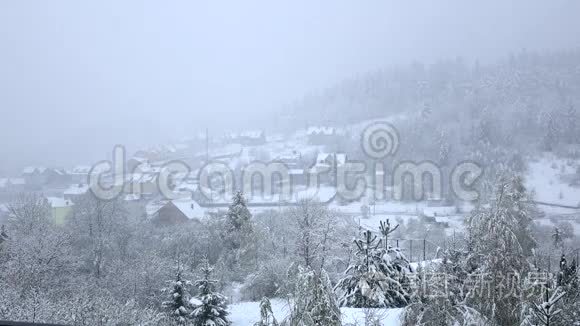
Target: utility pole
column 424, row 248
column 206, row 145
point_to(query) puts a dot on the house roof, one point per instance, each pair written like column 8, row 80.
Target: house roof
column 321, row 157
column 56, row 202
column 132, row 197
column 77, row 190
column 340, row 158
column 189, row 207
column 321, row 130
column 81, row 169
column 252, row 134
column 33, row 169
column 17, row 181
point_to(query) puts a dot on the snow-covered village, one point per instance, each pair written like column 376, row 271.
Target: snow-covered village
column 284, row 168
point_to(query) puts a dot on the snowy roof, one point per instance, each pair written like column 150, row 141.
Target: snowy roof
column 132, row 197
column 56, row 202
column 230, row 150
column 4, row 182
column 17, row 181
column 189, row 207
column 77, row 190
column 321, row 130
column 81, row 169
column 33, row 169
column 59, row 171
column 29, row 170
column 321, row 157
column 154, row 206
column 252, row 134
column 439, row 211
column 142, row 177
column 340, row 158
column 139, row 159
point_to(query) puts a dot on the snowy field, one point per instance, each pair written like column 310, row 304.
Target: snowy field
column 248, row 313
column 549, row 179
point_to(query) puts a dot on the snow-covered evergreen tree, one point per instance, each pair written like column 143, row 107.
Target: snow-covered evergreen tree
column 547, row 311
column 209, row 307
column 441, row 300
column 376, row 278
column 238, row 217
column 178, row 304
column 267, row 317
column 313, row 300
column 499, row 246
column 239, row 245
column 551, row 137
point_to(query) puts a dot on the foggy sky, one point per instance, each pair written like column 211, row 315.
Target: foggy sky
column 77, row 77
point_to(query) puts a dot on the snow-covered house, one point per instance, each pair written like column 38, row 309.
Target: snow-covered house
column 40, row 176
column 35, row 176
column 224, row 154
column 142, row 184
column 60, row 209
column 75, row 191
column 292, row 159
column 252, row 138
column 176, row 212
column 321, row 135
column 246, row 138
column 80, row 174
column 12, row 185
column 136, row 162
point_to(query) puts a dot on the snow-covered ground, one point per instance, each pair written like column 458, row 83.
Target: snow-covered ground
column 549, row 179
column 248, row 313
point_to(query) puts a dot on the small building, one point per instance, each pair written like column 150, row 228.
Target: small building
column 75, row 191
column 35, row 176
column 12, row 185
column 80, row 174
column 246, row 138
column 321, row 135
column 136, row 162
column 60, row 209
column 252, row 138
column 176, row 212
column 142, row 184
column 57, row 177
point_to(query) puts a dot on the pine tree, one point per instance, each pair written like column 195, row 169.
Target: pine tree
column 499, row 245
column 551, row 136
column 238, row 237
column 447, row 305
column 546, row 312
column 375, row 279
column 266, row 315
column 313, row 300
column 325, row 310
column 178, row 305
column 238, row 216
column 210, row 308
column 568, row 275
column 557, row 237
